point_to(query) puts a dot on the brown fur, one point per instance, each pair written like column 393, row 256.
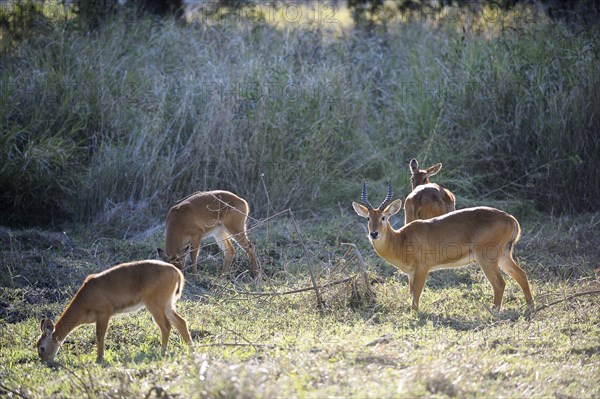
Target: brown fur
column 427, row 200
column 153, row 284
column 221, row 214
column 483, row 235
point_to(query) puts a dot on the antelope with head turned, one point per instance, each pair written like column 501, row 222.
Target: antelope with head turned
column 123, row 288
column 483, row 235
column 427, row 200
column 220, row 214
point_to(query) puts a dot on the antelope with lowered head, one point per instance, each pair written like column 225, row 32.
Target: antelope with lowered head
column 220, row 214
column 427, row 200
column 123, row 288
column 483, row 235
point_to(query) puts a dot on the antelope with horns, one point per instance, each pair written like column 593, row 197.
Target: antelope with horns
column 123, row 288
column 220, row 214
column 427, row 200
column 483, row 235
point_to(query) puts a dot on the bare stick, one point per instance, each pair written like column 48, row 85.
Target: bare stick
column 262, row 179
column 241, row 336
column 237, row 344
column 384, row 339
column 16, row 393
column 362, row 266
column 594, row 292
column 320, row 302
column 341, row 264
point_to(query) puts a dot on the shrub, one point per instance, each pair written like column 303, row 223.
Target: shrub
column 150, row 112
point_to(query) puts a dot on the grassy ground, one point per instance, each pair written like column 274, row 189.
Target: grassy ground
column 284, row 346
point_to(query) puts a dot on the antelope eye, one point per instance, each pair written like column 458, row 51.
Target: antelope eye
column 383, row 218
column 368, row 218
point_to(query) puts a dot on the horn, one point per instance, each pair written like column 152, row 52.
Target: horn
column 363, row 196
column 388, row 197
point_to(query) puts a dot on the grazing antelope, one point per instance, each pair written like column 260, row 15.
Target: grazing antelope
column 220, row 214
column 483, row 235
column 123, row 288
column 427, row 200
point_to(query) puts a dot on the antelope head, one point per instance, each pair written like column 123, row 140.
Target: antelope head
column 378, row 217
column 421, row 176
column 175, row 260
column 47, row 345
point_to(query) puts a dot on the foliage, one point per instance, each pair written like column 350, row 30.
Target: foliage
column 368, row 13
column 94, row 13
column 21, row 19
column 146, row 113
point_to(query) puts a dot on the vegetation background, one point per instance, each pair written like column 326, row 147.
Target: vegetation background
column 139, row 112
column 109, row 114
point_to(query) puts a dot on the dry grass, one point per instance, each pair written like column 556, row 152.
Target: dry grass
column 141, row 114
column 284, row 345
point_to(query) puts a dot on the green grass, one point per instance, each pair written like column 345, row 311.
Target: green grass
column 286, row 347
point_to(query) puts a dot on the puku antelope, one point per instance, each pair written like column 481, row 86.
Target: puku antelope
column 483, row 235
column 427, row 200
column 220, row 214
column 127, row 287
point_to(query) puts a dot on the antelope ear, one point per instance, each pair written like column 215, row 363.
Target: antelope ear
column 394, row 207
column 162, row 254
column 47, row 326
column 360, row 210
column 432, row 170
column 414, row 166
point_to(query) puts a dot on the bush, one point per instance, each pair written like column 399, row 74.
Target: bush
column 150, row 112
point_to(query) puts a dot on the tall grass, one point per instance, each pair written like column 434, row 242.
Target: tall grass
column 146, row 113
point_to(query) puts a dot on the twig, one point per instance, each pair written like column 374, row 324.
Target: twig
column 253, row 293
column 363, row 267
column 594, row 292
column 262, row 179
column 237, row 344
column 17, row 393
column 259, row 223
column 483, row 305
column 486, row 307
column 384, row 339
column 342, row 263
column 241, row 336
column 320, row 302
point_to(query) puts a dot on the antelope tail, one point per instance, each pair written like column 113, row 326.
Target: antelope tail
column 180, row 284
column 516, row 235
